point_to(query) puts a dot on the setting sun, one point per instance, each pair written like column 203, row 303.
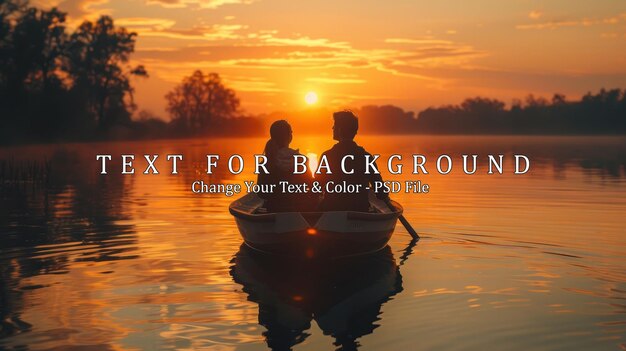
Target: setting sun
column 310, row 98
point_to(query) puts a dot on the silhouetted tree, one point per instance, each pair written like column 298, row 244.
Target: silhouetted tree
column 604, row 113
column 201, row 100
column 96, row 55
column 32, row 42
column 9, row 11
column 53, row 84
column 558, row 99
column 387, row 119
column 475, row 115
column 38, row 43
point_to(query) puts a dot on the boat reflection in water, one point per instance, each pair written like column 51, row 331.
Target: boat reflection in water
column 343, row 296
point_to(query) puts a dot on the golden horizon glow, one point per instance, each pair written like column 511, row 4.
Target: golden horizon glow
column 451, row 50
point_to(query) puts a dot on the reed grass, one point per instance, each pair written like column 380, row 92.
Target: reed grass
column 15, row 172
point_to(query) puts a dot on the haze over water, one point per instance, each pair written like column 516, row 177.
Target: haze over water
column 514, row 262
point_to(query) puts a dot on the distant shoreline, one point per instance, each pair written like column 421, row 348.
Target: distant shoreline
column 230, row 136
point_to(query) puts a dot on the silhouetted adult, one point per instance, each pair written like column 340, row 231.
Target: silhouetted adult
column 280, row 165
column 344, row 130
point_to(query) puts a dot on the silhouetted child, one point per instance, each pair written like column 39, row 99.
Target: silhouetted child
column 280, row 166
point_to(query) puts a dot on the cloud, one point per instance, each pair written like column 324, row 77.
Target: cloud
column 329, row 80
column 584, row 22
column 222, row 52
column 237, row 49
column 78, row 10
column 554, row 24
column 535, row 14
column 423, row 41
column 306, row 41
column 74, row 7
column 164, row 28
column 430, row 51
column 145, row 23
column 252, row 84
column 203, row 4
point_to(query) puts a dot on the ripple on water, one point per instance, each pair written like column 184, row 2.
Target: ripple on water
column 533, row 262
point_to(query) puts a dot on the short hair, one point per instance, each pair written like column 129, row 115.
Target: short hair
column 280, row 131
column 347, row 122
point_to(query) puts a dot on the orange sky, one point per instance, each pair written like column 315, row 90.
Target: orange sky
column 413, row 54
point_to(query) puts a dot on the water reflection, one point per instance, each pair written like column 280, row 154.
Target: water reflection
column 140, row 262
column 344, row 297
column 615, row 168
column 53, row 226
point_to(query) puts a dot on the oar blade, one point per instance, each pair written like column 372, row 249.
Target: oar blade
column 405, row 222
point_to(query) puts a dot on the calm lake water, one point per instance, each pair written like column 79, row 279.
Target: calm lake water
column 139, row 262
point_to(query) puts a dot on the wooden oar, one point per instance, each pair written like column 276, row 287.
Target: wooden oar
column 404, row 222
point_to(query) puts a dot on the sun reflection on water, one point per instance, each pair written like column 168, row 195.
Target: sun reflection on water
column 124, row 262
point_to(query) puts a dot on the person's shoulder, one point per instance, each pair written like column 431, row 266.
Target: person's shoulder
column 332, row 150
column 287, row 151
column 360, row 149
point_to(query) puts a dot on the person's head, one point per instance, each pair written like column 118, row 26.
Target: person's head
column 346, row 125
column 280, row 133
column 280, row 137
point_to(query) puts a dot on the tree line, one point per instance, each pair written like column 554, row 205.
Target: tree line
column 603, row 112
column 600, row 113
column 62, row 85
column 57, row 84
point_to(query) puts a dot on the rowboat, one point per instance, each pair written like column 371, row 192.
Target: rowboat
column 315, row 234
